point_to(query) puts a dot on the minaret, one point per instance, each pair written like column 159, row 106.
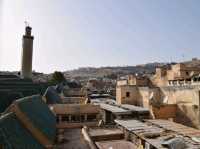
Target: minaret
column 27, row 52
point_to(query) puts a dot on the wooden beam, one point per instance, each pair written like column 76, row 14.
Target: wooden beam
column 65, row 125
column 88, row 139
column 75, row 109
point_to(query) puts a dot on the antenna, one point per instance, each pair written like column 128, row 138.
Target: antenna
column 26, row 23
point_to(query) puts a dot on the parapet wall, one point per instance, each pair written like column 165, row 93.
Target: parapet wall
column 188, row 114
column 122, row 98
column 181, row 94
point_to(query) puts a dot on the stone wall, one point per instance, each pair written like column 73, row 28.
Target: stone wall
column 185, row 97
column 188, row 114
column 181, row 94
column 165, row 111
column 121, row 92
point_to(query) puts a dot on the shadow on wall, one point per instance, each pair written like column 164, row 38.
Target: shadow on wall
column 188, row 115
column 149, row 96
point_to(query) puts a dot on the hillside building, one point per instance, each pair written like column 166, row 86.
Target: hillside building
column 172, row 93
column 178, row 75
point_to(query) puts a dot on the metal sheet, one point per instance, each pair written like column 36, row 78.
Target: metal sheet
column 119, row 144
column 114, row 109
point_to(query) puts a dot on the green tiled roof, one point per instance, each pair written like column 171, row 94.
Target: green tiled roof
column 22, row 87
column 14, row 136
column 39, row 114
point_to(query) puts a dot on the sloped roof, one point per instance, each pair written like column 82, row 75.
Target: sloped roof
column 14, row 135
column 52, row 96
column 38, row 113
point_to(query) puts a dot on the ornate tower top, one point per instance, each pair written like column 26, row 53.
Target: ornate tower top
column 28, row 31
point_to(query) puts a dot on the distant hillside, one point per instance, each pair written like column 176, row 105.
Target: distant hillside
column 149, row 69
column 193, row 63
column 92, row 72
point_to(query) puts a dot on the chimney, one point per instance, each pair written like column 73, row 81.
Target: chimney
column 27, row 52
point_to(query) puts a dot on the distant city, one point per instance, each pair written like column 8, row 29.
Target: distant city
column 151, row 106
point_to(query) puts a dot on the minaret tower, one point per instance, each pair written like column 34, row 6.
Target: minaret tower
column 27, row 52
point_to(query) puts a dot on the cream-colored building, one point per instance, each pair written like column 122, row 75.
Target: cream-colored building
column 178, row 74
column 134, row 80
column 181, row 100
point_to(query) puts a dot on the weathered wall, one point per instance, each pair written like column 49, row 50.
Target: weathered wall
column 187, row 100
column 165, row 111
column 143, row 97
column 160, row 78
column 186, row 97
column 122, row 82
column 177, row 71
column 175, row 95
column 188, row 114
column 121, row 94
column 181, row 94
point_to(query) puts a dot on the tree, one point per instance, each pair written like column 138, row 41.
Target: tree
column 57, row 77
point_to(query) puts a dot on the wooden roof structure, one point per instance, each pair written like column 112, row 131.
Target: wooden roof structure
column 135, row 109
column 104, row 134
column 115, row 109
column 156, row 132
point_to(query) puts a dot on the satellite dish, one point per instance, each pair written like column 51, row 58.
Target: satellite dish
column 165, row 100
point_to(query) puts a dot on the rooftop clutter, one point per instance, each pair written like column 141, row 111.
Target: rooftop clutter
column 44, row 125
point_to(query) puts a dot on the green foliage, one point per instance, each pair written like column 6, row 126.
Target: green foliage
column 57, row 77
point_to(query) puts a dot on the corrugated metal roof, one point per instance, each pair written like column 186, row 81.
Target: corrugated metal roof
column 104, row 131
column 155, row 132
column 135, row 108
column 105, row 134
column 114, row 109
column 178, row 128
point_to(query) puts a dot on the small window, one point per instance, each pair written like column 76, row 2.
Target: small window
column 127, row 94
column 187, row 73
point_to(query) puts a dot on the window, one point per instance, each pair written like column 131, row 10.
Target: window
column 127, row 94
column 187, row 73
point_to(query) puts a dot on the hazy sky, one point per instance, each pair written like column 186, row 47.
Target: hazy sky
column 76, row 33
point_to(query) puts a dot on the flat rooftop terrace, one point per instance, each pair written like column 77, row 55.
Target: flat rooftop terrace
column 73, row 139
